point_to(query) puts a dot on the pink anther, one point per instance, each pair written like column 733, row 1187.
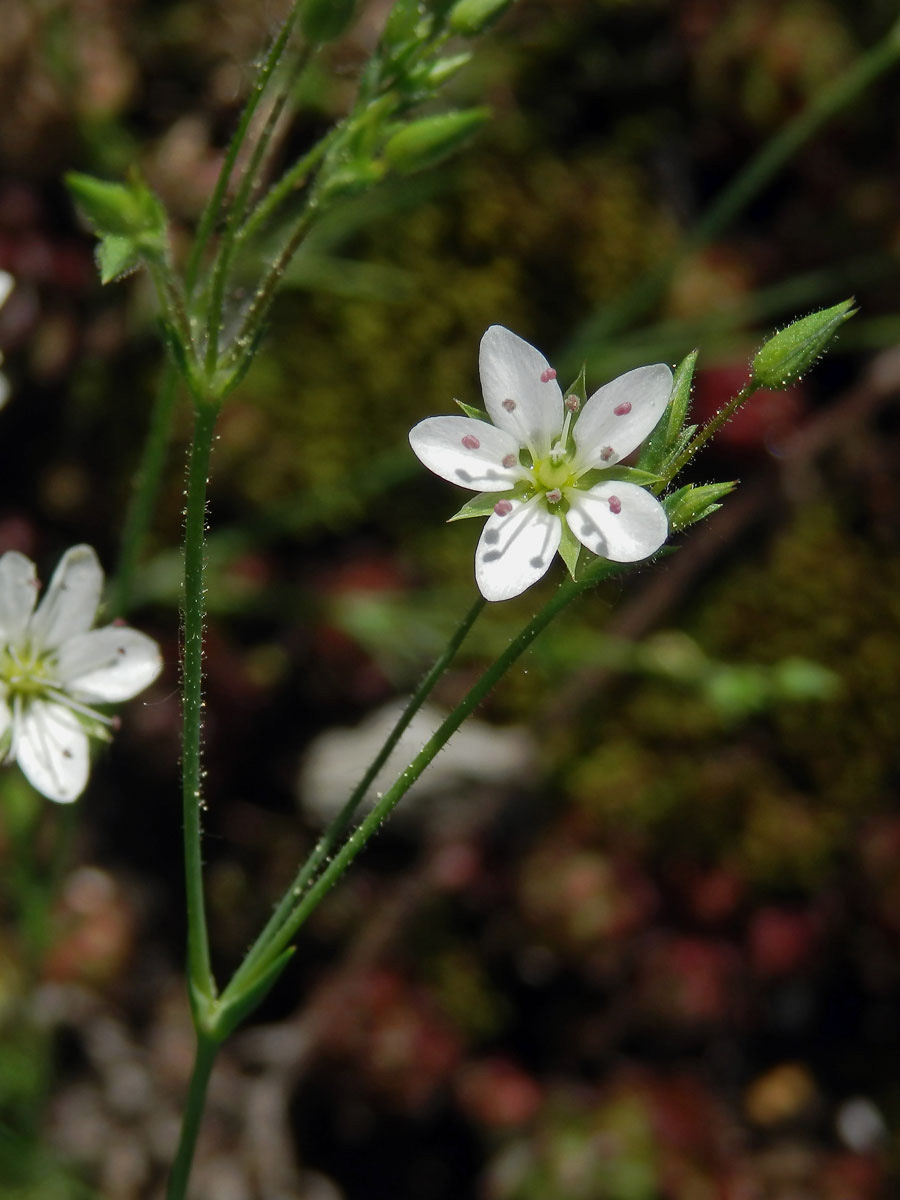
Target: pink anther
column 471, row 442
column 622, row 409
column 606, row 453
column 509, row 405
column 615, row 505
column 572, row 404
column 509, row 460
column 547, row 375
column 502, row 508
column 554, row 496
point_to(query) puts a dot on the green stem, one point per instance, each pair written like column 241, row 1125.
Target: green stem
column 564, row 595
column 245, row 341
column 288, row 184
column 202, row 986
column 744, row 187
column 339, row 826
column 236, row 215
column 216, row 200
column 713, row 425
column 146, row 489
column 193, row 1115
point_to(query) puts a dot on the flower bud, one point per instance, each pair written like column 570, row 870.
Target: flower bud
column 325, row 20
column 122, row 209
column 426, row 141
column 469, row 17
column 436, row 74
column 787, row 355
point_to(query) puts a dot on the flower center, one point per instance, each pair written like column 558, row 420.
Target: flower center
column 551, row 475
column 25, row 673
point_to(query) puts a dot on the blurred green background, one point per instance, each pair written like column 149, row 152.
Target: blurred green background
column 659, row 955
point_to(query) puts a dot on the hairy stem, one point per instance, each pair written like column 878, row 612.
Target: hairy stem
column 564, row 595
column 214, row 204
column 202, row 987
column 339, row 826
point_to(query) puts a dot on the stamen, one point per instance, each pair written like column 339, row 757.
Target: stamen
column 471, row 442
column 606, row 453
column 615, row 505
column 76, row 706
column 547, row 375
column 509, row 404
column 503, row 508
column 622, row 410
column 554, row 496
column 572, row 403
column 510, row 460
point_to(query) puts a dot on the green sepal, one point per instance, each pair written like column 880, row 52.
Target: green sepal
column 477, row 413
column 117, row 257
column 232, row 1013
column 579, row 387
column 789, row 354
column 658, row 448
column 692, row 503
column 569, row 548
column 618, row 475
column 482, row 505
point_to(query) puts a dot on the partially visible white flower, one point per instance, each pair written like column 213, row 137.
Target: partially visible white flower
column 54, row 670
column 551, row 460
column 6, row 286
column 479, row 757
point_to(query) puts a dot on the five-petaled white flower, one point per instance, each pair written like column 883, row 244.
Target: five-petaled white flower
column 6, row 286
column 54, row 668
column 551, row 460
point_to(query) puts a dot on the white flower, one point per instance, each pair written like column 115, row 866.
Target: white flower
column 6, row 286
column 54, row 668
column 552, row 462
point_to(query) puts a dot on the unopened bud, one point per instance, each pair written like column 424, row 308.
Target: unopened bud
column 430, row 139
column 790, row 353
column 127, row 210
column 469, row 17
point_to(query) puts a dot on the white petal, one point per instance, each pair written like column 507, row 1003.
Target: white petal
column 468, row 452
column 618, row 416
column 515, row 550
column 18, row 591
column 106, row 665
column 52, row 749
column 6, row 286
column 619, row 521
column 513, row 371
column 71, row 601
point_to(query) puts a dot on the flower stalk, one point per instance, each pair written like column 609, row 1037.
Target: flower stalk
column 202, row 985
